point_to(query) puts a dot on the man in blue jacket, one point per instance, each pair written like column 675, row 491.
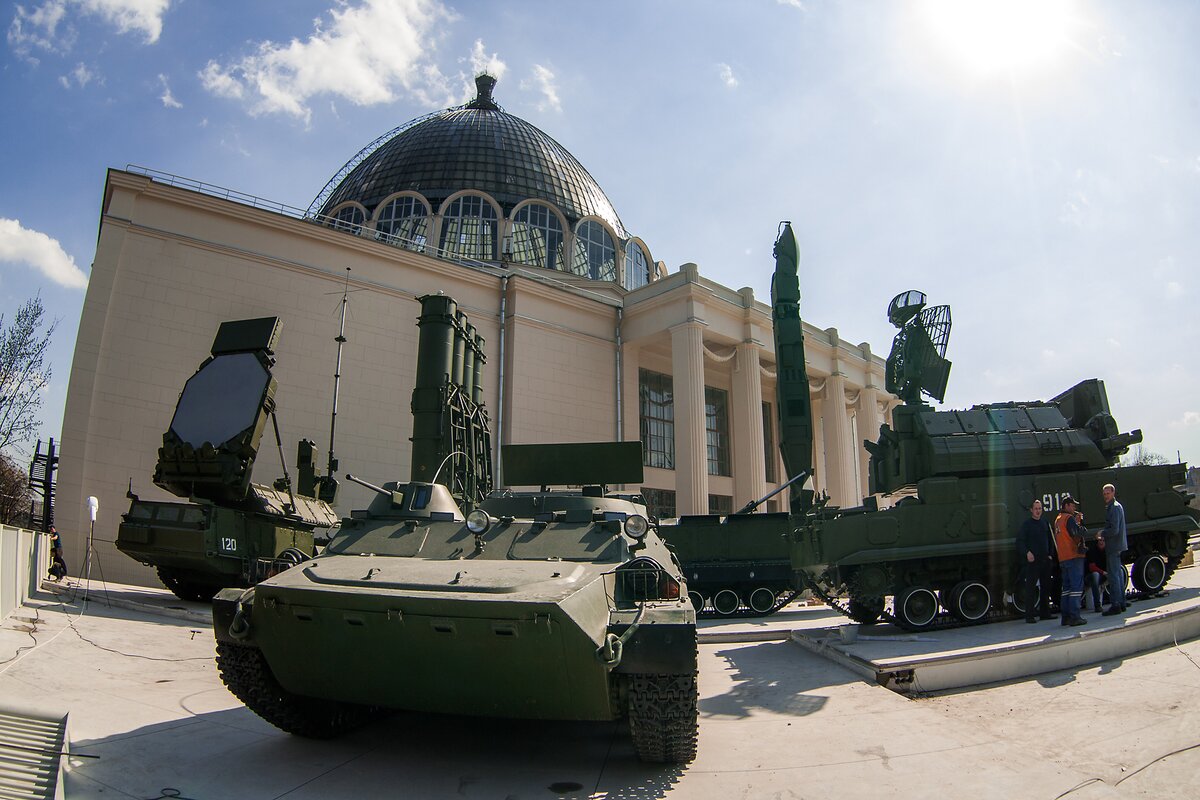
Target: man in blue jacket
column 1115, row 543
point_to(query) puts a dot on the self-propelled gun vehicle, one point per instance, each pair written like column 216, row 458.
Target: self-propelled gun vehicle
column 229, row 531
column 935, row 542
column 567, row 600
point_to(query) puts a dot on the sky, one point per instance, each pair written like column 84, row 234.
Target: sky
column 1035, row 164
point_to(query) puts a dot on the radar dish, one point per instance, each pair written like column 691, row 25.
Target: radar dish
column 917, row 363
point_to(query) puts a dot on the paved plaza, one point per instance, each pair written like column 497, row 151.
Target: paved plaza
column 777, row 721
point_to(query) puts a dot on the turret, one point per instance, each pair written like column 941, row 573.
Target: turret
column 1073, row 431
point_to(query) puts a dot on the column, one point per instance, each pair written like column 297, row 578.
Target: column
column 749, row 469
column 691, row 452
column 839, row 481
column 868, row 428
column 820, row 480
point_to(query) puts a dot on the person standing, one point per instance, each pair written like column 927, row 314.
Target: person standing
column 58, row 566
column 1033, row 547
column 1115, row 543
column 1068, row 540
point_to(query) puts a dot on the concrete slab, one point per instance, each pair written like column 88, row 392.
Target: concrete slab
column 951, row 659
column 776, row 721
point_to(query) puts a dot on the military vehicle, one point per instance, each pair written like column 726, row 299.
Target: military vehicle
column 557, row 605
column 231, row 531
column 958, row 483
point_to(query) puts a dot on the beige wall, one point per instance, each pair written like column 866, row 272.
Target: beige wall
column 171, row 265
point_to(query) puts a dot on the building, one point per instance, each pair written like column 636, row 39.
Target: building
column 588, row 338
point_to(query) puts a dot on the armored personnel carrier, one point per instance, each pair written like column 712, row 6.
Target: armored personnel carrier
column 231, row 531
column 558, row 605
column 958, row 483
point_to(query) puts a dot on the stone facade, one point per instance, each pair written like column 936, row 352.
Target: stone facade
column 171, row 264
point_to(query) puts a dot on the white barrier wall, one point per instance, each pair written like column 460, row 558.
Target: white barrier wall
column 24, row 560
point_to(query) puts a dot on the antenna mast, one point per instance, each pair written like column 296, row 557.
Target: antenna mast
column 331, row 467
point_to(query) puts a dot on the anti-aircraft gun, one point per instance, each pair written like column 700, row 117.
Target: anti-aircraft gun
column 534, row 604
column 959, row 482
column 232, row 531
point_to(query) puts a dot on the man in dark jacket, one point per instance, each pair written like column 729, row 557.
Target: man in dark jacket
column 1034, row 548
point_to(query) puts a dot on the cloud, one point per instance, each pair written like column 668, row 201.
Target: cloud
column 727, row 77
column 367, row 53
column 48, row 27
column 482, row 62
column 543, row 81
column 81, row 76
column 1191, row 418
column 20, row 245
column 796, row 4
column 167, row 98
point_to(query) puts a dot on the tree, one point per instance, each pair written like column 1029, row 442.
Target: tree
column 1141, row 457
column 24, row 373
column 14, row 493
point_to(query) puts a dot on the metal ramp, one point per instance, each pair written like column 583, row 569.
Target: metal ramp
column 33, row 745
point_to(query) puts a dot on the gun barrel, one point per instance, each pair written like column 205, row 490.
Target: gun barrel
column 371, row 486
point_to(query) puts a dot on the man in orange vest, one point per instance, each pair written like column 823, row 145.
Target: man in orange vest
column 1068, row 540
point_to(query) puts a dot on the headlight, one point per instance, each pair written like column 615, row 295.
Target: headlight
column 478, row 521
column 636, row 526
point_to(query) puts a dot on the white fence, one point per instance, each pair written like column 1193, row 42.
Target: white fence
column 24, row 560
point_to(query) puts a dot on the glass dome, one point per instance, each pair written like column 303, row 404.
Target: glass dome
column 477, row 147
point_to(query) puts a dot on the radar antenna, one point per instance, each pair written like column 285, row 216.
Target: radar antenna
column 917, row 364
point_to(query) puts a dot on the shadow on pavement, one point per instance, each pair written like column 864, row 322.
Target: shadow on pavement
column 232, row 753
column 773, row 676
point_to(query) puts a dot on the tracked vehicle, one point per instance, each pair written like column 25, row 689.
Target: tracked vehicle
column 533, row 604
column 940, row 547
column 231, row 531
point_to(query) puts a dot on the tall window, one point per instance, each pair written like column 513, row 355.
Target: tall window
column 595, row 254
column 637, row 266
column 403, row 222
column 716, row 423
column 537, row 237
column 720, row 504
column 469, row 229
column 657, row 403
column 769, row 442
column 348, row 218
column 660, row 503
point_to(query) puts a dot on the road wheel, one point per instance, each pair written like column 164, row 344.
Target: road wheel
column 970, row 601
column 1016, row 597
column 1149, row 573
column 761, row 600
column 916, row 607
column 697, row 600
column 866, row 611
column 726, row 602
column 187, row 590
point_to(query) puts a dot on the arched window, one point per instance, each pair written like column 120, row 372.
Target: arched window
column 469, row 229
column 637, row 266
column 595, row 253
column 537, row 237
column 403, row 222
column 348, row 218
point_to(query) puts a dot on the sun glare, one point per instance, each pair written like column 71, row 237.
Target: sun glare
column 1000, row 36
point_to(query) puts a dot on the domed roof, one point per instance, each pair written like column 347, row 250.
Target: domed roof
column 477, row 146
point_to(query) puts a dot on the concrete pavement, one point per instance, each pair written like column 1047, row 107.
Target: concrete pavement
column 776, row 722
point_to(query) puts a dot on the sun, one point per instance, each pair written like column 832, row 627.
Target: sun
column 990, row 37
